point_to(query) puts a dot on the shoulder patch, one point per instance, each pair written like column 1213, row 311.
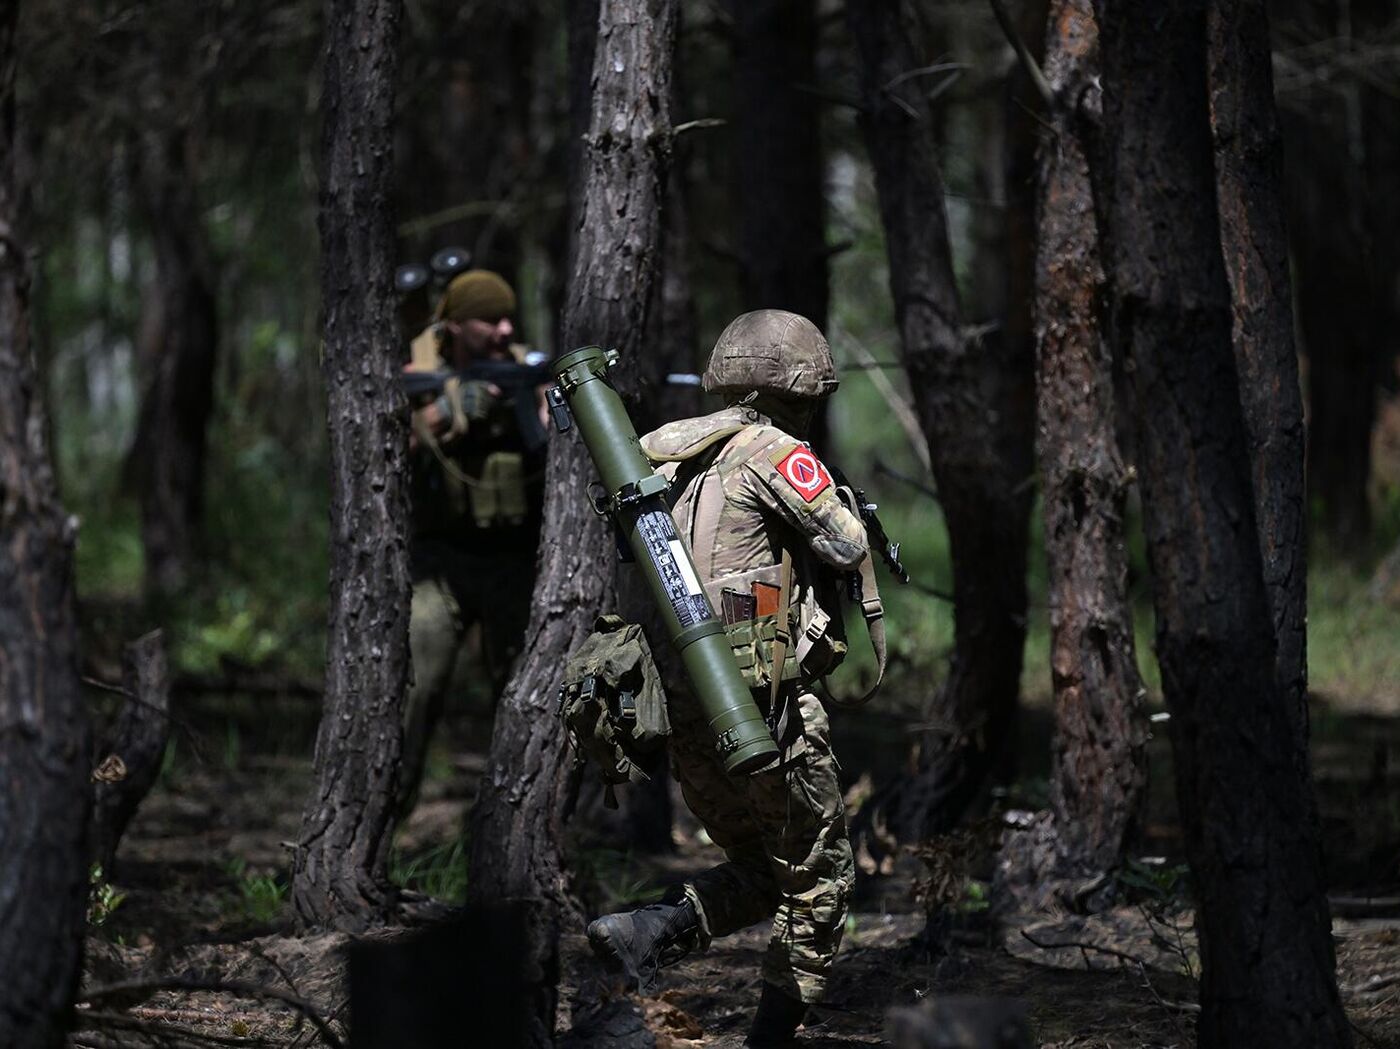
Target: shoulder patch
column 802, row 470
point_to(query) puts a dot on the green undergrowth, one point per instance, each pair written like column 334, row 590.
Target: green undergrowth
column 439, row 871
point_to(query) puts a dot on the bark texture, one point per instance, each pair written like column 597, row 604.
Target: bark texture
column 620, row 185
column 1254, row 243
column 44, row 795
column 1247, row 806
column 339, row 875
column 1099, row 762
column 129, row 759
column 778, row 153
column 179, row 350
column 975, row 405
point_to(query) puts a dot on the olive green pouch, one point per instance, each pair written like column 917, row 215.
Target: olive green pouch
column 498, row 498
column 612, row 703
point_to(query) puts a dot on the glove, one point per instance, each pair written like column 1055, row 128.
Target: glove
column 464, row 401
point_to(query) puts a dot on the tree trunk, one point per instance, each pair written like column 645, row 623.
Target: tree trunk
column 129, row 759
column 467, row 145
column 515, row 845
column 1247, row 807
column 179, row 350
column 777, row 149
column 975, row 408
column 44, row 794
column 1254, row 243
column 779, row 166
column 339, row 874
column 1331, row 213
column 1099, row 761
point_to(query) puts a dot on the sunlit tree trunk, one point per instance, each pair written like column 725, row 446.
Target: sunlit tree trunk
column 974, row 406
column 44, row 794
column 339, row 874
column 516, row 832
column 1099, row 761
column 1247, row 806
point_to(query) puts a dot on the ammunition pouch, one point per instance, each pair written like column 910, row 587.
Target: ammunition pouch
column 612, row 703
column 819, row 643
column 498, row 495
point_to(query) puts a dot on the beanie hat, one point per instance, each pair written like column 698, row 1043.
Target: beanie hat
column 476, row 295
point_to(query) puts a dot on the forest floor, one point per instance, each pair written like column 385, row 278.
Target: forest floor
column 199, row 895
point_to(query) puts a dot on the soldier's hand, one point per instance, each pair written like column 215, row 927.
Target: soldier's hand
column 461, row 403
column 476, row 397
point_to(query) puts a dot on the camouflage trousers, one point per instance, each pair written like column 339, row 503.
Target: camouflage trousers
column 495, row 598
column 783, row 832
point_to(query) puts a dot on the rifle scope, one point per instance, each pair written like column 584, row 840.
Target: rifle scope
column 634, row 501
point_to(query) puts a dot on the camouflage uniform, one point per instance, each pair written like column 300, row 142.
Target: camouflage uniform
column 745, row 490
column 477, row 496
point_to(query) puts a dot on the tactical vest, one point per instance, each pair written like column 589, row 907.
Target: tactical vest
column 805, row 592
column 479, row 481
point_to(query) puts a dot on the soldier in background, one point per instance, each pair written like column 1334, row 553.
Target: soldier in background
column 477, row 495
column 762, row 515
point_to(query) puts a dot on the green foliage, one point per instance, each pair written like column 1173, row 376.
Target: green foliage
column 611, row 879
column 1353, row 640
column 439, row 872
column 103, row 897
column 977, row 897
column 259, row 897
column 1154, row 882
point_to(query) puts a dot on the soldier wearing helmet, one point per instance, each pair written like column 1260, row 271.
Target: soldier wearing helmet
column 772, row 540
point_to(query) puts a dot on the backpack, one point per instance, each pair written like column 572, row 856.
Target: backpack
column 612, row 703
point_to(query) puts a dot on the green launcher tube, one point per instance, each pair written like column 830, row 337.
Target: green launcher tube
column 635, row 500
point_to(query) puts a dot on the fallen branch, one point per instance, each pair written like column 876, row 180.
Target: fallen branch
column 238, row 988
column 166, row 1035
column 1083, row 946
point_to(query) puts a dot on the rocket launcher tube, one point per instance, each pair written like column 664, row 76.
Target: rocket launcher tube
column 635, row 502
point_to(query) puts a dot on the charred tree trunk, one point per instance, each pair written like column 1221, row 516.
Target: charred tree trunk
column 339, row 874
column 179, row 344
column 1098, row 769
column 974, row 407
column 44, row 795
column 516, row 829
column 1254, row 242
column 1247, row 806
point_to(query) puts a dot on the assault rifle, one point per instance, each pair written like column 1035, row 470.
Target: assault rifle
column 517, row 383
column 875, row 531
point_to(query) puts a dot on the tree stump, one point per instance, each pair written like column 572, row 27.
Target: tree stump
column 129, row 759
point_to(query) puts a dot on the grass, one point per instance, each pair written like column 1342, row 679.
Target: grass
column 439, row 872
column 258, row 898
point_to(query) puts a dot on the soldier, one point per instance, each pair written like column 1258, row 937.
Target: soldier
column 760, row 510
column 477, row 496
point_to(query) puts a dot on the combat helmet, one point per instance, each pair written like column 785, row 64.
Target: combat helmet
column 771, row 352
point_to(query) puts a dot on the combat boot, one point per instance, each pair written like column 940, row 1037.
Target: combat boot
column 641, row 942
column 776, row 1022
